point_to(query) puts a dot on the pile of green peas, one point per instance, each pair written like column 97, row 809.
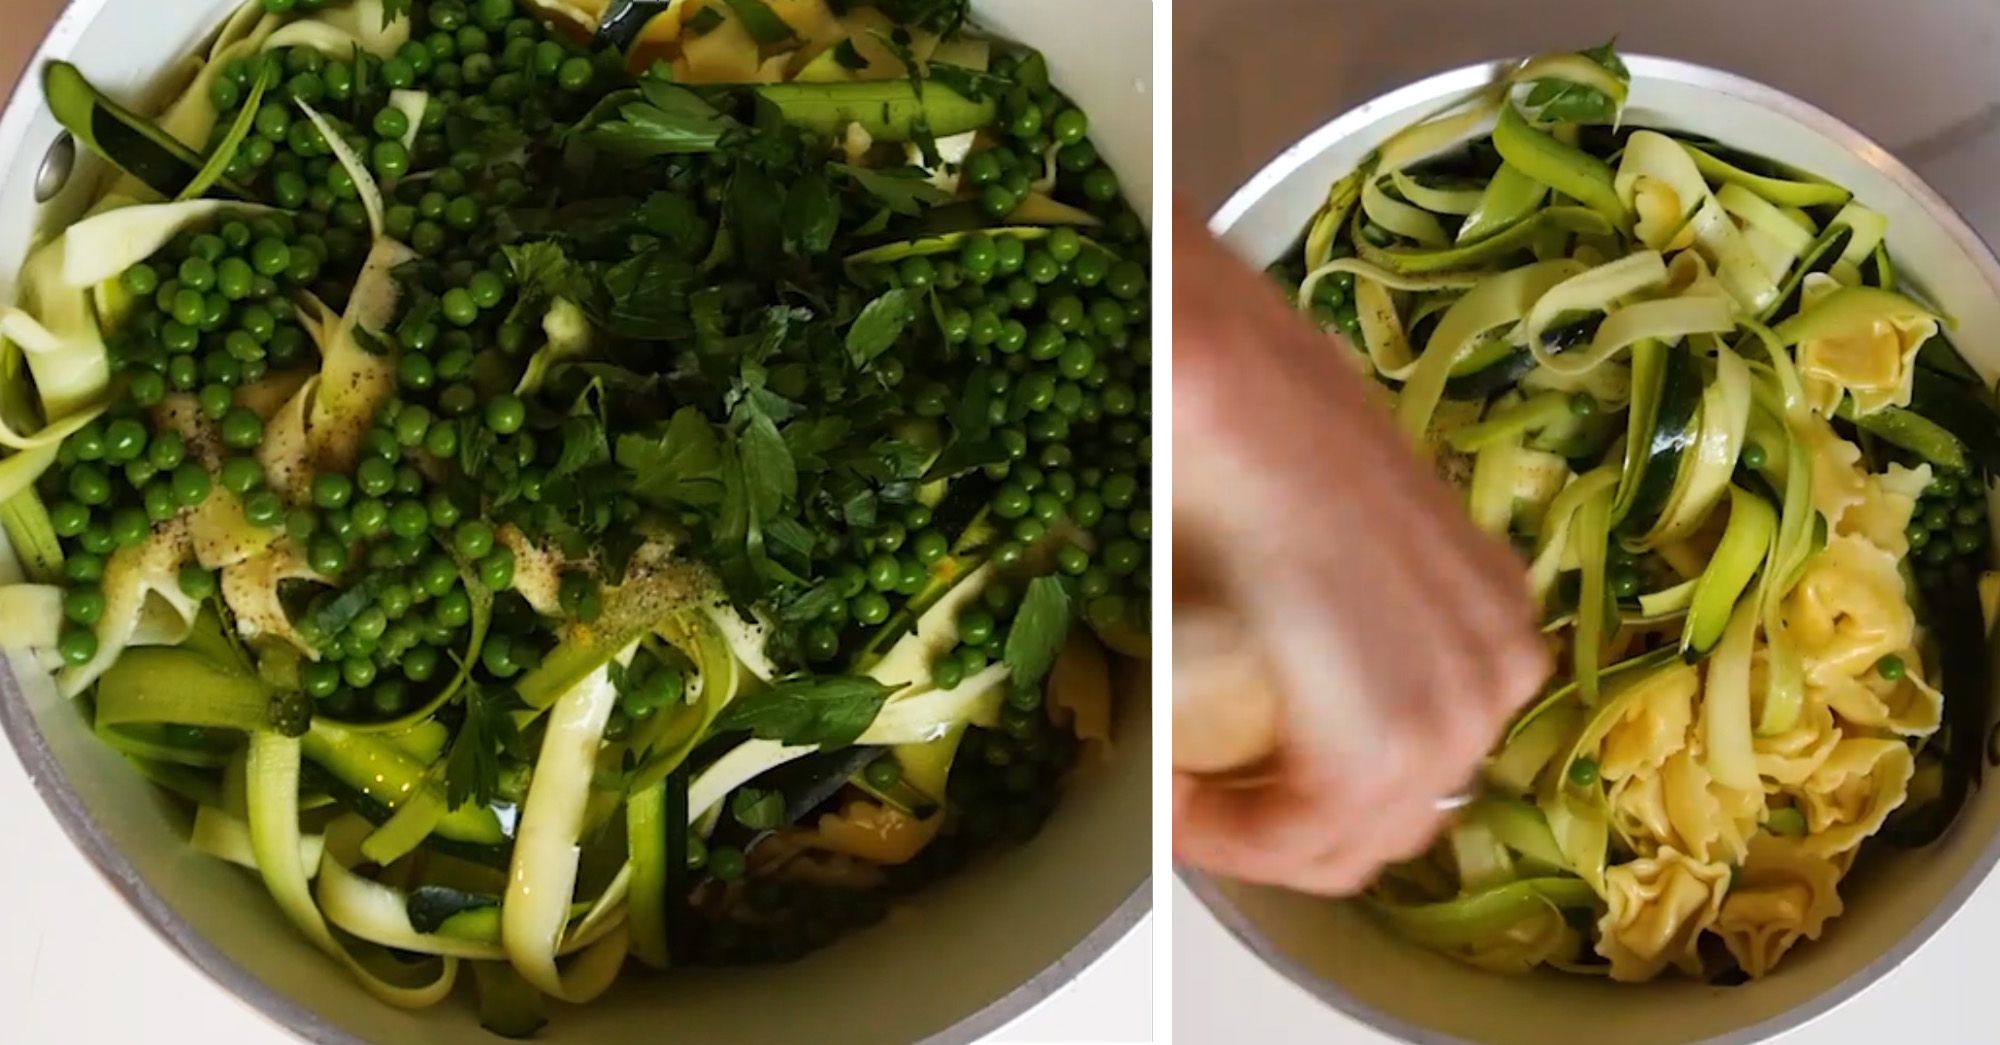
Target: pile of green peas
column 1035, row 118
column 1949, row 527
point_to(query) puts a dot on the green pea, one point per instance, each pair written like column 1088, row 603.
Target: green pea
column 263, row 508
column 358, row 672
column 505, row 414
column 327, row 554
column 444, row 512
column 331, row 490
column 1583, row 772
column 371, row 517
column 375, row 476
column 147, row 388
column 496, row 569
column 870, row 608
column 240, row 475
column 77, row 645
column 241, row 429
column 1100, row 185
column 473, row 539
column 487, row 289
column 1070, row 126
column 1968, row 539
column 409, row 519
column 84, row 605
column 412, row 425
column 574, row 74
column 84, row 567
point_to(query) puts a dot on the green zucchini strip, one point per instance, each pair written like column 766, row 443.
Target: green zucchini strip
column 646, row 830
column 1729, row 748
column 889, row 110
column 353, row 381
column 1531, row 414
column 1491, row 498
column 232, row 140
column 177, row 686
column 1341, row 197
column 1711, row 461
column 147, row 154
column 1555, row 543
column 104, row 245
column 1403, row 219
column 274, row 839
column 1745, row 545
column 535, row 912
column 226, row 837
column 1494, row 248
column 31, row 615
column 1485, row 916
column 1436, row 200
column 1499, row 301
column 1595, row 613
column 1510, row 198
column 1783, row 192
column 26, row 525
column 364, row 179
column 384, row 773
column 1565, row 169
column 1519, row 826
column 1461, row 122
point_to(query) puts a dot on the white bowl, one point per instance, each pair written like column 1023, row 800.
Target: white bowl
column 957, row 962
column 1895, row 899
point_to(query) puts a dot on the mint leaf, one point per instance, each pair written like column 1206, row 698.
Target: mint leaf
column 829, row 712
column 880, row 323
column 1039, row 631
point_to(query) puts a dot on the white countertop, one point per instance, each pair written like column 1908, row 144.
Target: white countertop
column 77, row 965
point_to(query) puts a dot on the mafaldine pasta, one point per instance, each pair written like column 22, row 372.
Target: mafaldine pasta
column 1745, row 470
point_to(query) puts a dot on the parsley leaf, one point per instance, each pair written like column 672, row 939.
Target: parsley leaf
column 683, row 467
column 544, row 270
column 829, row 712
column 880, row 323
column 943, row 17
column 904, row 190
column 472, row 770
column 1039, row 630
column 674, row 218
column 812, row 216
column 392, row 10
column 672, row 120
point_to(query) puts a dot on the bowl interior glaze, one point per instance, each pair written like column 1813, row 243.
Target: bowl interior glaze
column 954, row 964
column 1895, row 899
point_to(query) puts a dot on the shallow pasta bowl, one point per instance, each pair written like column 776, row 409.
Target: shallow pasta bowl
column 953, row 964
column 1895, row 899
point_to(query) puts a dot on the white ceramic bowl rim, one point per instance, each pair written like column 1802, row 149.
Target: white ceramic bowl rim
column 50, row 781
column 1461, row 82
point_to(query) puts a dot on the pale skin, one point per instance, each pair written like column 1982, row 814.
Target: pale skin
column 1385, row 637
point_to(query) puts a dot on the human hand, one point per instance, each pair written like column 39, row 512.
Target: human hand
column 1354, row 621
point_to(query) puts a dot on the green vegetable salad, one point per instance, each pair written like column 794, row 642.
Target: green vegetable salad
column 1748, row 472
column 545, row 517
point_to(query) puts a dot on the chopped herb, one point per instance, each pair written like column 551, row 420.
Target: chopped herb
column 827, row 711
column 1039, row 630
